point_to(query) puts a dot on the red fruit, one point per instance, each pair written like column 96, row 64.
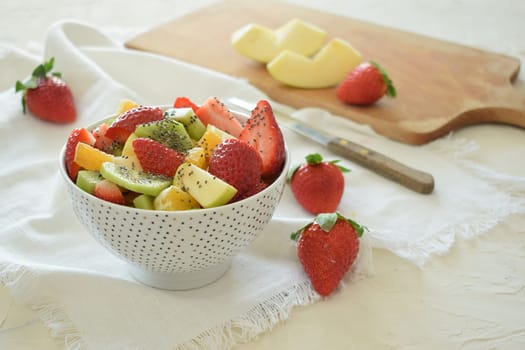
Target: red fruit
column 237, row 163
column 214, row 112
column 155, row 158
column 126, row 123
column 318, row 185
column 365, row 84
column 261, row 185
column 263, row 133
column 102, row 142
column 109, row 191
column 327, row 248
column 184, row 102
column 47, row 96
column 77, row 135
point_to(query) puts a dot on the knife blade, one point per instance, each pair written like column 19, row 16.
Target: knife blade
column 414, row 179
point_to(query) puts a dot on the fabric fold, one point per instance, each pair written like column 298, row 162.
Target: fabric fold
column 87, row 296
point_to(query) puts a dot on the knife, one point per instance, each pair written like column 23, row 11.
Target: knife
column 416, row 180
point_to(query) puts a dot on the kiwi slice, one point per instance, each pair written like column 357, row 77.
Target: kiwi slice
column 134, row 180
column 87, row 179
column 189, row 119
column 144, row 201
column 168, row 131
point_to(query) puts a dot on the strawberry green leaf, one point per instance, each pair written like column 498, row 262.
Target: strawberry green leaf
column 48, row 66
column 19, row 86
column 314, row 158
column 42, row 70
column 390, row 88
column 358, row 228
column 295, row 235
column 326, row 220
column 39, row 71
column 24, row 104
column 342, row 168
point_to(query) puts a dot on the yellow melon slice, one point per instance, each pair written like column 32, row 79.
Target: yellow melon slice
column 262, row 44
column 326, row 69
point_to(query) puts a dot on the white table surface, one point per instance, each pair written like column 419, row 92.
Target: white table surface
column 471, row 298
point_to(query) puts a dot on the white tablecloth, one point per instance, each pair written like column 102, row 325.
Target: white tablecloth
column 486, row 158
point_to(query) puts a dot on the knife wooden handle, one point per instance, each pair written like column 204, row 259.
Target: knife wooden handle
column 411, row 178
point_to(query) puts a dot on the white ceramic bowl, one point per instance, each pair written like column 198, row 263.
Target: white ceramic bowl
column 176, row 249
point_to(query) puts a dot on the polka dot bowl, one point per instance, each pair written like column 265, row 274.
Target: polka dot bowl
column 176, row 250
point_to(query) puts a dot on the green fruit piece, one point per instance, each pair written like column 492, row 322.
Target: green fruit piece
column 169, row 132
column 144, row 201
column 189, row 119
column 208, row 190
column 87, row 179
column 134, row 180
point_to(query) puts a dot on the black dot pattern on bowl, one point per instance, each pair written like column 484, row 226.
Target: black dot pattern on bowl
column 175, row 242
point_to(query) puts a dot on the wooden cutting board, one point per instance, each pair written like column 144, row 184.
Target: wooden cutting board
column 441, row 86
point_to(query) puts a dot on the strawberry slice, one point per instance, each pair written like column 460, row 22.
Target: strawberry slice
column 77, row 135
column 184, row 102
column 263, row 133
column 214, row 112
column 102, row 142
column 126, row 123
column 155, row 158
column 109, row 191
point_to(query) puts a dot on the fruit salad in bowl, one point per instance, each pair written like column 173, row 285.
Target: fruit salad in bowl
column 176, row 191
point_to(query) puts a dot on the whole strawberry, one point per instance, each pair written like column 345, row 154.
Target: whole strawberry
column 327, row 248
column 237, row 163
column 47, row 96
column 318, row 185
column 365, row 84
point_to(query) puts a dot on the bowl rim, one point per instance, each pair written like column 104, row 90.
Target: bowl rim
column 92, row 126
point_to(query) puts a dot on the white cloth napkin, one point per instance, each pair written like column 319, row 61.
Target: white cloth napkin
column 87, row 296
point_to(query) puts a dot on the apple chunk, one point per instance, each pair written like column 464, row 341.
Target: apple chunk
column 326, row 69
column 262, row 44
column 208, row 190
